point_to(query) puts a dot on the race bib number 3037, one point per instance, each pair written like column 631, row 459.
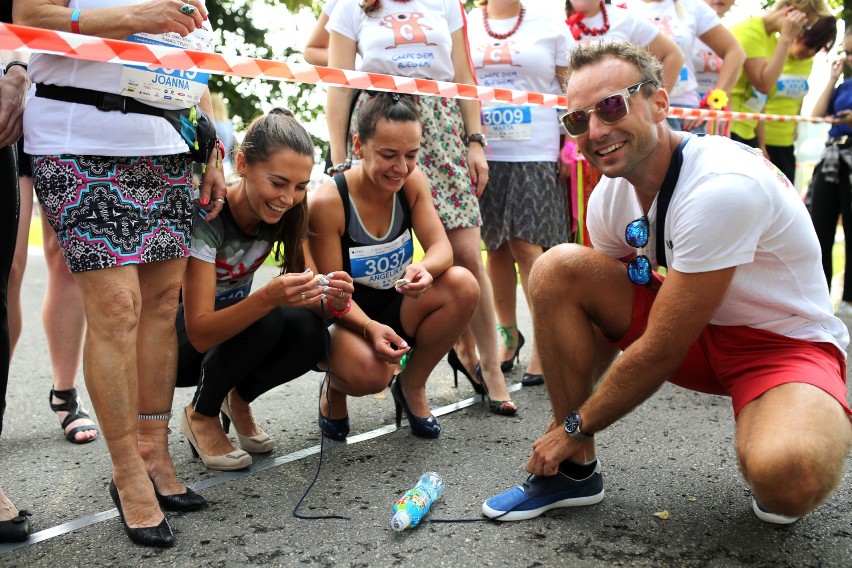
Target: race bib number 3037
column 379, row 266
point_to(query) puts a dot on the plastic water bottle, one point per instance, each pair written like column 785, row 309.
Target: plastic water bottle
column 408, row 511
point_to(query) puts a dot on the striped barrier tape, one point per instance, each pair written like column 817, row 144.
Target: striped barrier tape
column 90, row 48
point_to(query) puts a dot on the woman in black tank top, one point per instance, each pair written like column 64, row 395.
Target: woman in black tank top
column 361, row 223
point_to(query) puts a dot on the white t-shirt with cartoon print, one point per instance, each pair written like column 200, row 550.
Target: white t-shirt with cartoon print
column 684, row 21
column 525, row 61
column 412, row 39
column 707, row 65
column 732, row 208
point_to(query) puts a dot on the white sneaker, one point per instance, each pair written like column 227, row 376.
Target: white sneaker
column 844, row 310
column 768, row 516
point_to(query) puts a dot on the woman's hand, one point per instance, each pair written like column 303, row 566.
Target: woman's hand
column 213, row 190
column 419, row 280
column 161, row 16
column 13, row 93
column 793, row 24
column 389, row 346
column 339, row 289
column 836, row 70
column 294, row 290
column 478, row 167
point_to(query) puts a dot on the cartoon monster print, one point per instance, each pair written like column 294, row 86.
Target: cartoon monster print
column 406, row 28
column 498, row 54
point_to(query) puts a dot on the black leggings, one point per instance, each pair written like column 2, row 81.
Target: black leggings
column 9, row 208
column 828, row 202
column 283, row 345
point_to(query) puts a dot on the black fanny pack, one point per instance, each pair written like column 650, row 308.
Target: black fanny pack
column 193, row 124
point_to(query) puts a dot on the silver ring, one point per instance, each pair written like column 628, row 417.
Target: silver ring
column 303, row 297
column 342, row 293
column 187, row 9
column 218, row 199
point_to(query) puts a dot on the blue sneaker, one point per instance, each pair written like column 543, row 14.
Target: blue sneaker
column 767, row 516
column 540, row 494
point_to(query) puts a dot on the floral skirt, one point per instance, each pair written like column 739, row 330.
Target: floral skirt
column 525, row 201
column 114, row 211
column 443, row 158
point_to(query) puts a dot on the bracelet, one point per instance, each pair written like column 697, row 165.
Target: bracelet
column 165, row 416
column 339, row 168
column 13, row 63
column 75, row 21
column 366, row 325
column 339, row 313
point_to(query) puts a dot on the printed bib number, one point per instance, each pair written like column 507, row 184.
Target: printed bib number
column 172, row 85
column 792, row 86
column 508, row 123
column 379, row 266
column 238, row 292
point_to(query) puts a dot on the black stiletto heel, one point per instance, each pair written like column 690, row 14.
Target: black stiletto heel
column 161, row 535
column 421, row 427
column 457, row 366
column 511, row 343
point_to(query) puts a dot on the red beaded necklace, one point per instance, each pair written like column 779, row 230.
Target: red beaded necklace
column 507, row 34
column 578, row 28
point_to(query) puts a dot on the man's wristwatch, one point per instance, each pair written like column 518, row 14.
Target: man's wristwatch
column 479, row 138
column 572, row 427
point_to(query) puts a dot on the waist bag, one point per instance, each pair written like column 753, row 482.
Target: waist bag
column 193, row 124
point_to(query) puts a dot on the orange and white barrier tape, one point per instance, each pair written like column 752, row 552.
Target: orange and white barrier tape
column 90, row 48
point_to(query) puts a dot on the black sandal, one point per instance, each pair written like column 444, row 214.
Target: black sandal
column 71, row 404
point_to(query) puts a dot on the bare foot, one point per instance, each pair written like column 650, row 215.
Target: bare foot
column 136, row 494
column 153, row 438
column 242, row 416
column 7, row 509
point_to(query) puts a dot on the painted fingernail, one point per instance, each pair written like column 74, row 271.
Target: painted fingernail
column 322, row 296
column 403, row 344
column 205, row 200
column 323, row 281
column 330, row 275
column 326, row 289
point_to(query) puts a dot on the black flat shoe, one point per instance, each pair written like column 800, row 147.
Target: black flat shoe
column 531, row 380
column 334, row 428
column 188, row 501
column 161, row 535
column 16, row 529
column 421, row 427
column 458, row 367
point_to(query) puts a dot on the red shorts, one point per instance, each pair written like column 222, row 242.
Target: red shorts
column 743, row 362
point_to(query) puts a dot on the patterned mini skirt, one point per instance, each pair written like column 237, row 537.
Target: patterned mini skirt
column 112, row 211
column 443, row 158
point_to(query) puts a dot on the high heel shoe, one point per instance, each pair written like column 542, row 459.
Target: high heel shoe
column 237, row 459
column 161, row 535
column 334, row 428
column 189, row 500
column 421, row 427
column 501, row 407
column 457, row 366
column 259, row 444
column 511, row 343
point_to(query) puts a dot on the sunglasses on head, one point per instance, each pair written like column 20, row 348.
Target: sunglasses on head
column 636, row 235
column 609, row 109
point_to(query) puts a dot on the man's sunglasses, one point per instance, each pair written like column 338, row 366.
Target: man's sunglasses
column 636, row 235
column 609, row 109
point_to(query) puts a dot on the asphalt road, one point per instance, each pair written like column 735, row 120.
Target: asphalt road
column 675, row 454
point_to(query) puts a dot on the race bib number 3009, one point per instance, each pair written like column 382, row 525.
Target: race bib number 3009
column 508, row 123
column 379, row 266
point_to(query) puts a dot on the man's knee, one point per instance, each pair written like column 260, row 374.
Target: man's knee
column 557, row 268
column 791, row 476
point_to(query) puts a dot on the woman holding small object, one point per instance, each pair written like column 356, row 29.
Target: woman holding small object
column 235, row 345
column 112, row 174
column 361, row 222
column 831, row 185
